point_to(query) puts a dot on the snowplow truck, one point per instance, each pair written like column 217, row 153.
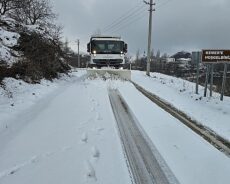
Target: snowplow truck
column 106, row 51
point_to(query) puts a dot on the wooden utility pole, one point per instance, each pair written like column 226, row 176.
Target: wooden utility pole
column 151, row 4
column 78, row 54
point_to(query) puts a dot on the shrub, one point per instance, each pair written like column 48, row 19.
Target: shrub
column 40, row 58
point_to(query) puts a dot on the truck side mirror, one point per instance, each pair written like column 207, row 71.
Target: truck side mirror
column 88, row 47
column 125, row 48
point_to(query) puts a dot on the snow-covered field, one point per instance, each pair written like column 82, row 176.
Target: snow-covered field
column 65, row 132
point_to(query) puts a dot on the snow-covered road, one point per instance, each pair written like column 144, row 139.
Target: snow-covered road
column 145, row 163
column 71, row 139
column 70, row 136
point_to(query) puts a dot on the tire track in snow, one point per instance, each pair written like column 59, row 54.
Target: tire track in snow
column 144, row 161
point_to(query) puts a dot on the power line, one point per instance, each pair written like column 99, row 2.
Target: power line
column 163, row 3
column 123, row 15
column 129, row 22
column 121, row 21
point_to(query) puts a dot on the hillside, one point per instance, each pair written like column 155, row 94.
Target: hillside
column 30, row 51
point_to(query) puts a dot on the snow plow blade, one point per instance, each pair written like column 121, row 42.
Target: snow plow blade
column 124, row 74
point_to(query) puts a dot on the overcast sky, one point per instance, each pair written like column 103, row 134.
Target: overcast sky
column 177, row 24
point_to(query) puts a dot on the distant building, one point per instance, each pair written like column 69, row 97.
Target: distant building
column 183, row 62
column 170, row 59
column 182, row 58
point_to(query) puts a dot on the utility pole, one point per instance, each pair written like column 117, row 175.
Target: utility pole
column 151, row 4
column 78, row 58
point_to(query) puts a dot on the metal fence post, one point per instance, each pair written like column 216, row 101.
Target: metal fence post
column 211, row 82
column 197, row 72
column 223, row 82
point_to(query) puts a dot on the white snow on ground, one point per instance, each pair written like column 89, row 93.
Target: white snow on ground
column 5, row 54
column 17, row 96
column 190, row 157
column 7, row 39
column 64, row 131
column 69, row 135
column 210, row 112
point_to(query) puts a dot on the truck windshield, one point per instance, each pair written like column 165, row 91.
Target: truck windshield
column 107, row 47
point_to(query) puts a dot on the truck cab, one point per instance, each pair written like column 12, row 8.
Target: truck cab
column 106, row 51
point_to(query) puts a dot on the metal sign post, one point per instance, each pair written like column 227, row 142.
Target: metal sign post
column 211, row 81
column 196, row 57
column 206, row 80
column 197, row 76
column 223, row 82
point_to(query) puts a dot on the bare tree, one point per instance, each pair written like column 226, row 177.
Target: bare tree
column 34, row 12
column 158, row 55
column 152, row 54
column 97, row 33
column 137, row 61
column 55, row 32
column 4, row 6
column 8, row 5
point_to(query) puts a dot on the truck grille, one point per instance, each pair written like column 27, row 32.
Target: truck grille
column 107, row 61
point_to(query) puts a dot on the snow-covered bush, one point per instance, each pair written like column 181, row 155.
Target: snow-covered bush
column 30, row 50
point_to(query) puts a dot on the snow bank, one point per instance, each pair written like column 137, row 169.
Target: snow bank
column 210, row 111
column 9, row 36
column 8, row 39
column 17, row 96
